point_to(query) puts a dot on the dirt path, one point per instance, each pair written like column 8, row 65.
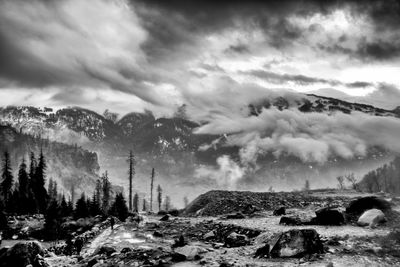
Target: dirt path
column 121, row 236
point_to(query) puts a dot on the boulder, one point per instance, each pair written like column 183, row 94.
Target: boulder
column 280, row 211
column 21, row 254
column 358, row 206
column 262, row 252
column 291, row 220
column 328, row 216
column 236, row 240
column 371, row 218
column 164, row 218
column 209, row 236
column 180, row 242
column 191, row 252
column 297, row 243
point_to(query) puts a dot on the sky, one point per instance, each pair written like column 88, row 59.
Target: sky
column 158, row 54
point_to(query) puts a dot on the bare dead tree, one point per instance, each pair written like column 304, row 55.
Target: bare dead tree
column 151, row 188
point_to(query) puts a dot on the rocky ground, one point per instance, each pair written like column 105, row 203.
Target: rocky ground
column 236, row 240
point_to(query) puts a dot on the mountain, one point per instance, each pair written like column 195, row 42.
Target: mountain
column 69, row 165
column 186, row 160
column 315, row 103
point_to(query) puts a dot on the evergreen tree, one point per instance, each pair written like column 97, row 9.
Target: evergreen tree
column 23, row 188
column 72, row 200
column 106, row 193
column 81, row 210
column 151, row 188
column 94, row 207
column 131, row 173
column 32, row 207
column 70, row 206
column 159, row 196
column 65, row 210
column 119, row 208
column 50, row 188
column 32, row 166
column 98, row 191
column 52, row 221
column 136, row 202
column 7, row 180
column 39, row 184
column 54, row 192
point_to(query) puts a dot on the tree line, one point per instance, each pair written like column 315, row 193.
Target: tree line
column 26, row 195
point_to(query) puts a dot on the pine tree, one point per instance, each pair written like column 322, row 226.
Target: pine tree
column 81, row 210
column 119, row 208
column 7, row 180
column 23, row 188
column 131, row 173
column 106, row 193
column 136, row 202
column 151, row 189
column 72, row 190
column 54, row 192
column 32, row 207
column 98, row 191
column 40, row 192
column 159, row 196
column 64, row 208
column 94, row 207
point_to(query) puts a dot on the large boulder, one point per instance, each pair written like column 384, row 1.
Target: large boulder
column 236, row 240
column 280, row 211
column 297, row 243
column 358, row 206
column 22, row 254
column 328, row 216
column 371, row 218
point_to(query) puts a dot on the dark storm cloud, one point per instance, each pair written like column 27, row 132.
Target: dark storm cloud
column 182, row 21
column 278, row 78
column 378, row 50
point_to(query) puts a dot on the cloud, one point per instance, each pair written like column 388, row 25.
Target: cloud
column 227, row 174
column 312, row 137
column 74, row 43
column 299, row 79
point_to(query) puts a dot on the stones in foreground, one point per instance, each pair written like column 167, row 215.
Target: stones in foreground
column 328, row 216
column 297, row 243
column 280, row 211
column 371, row 218
column 236, row 240
column 23, row 254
